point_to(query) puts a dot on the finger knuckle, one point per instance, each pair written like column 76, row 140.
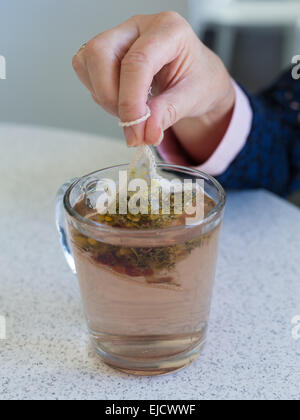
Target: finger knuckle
column 174, row 21
column 92, row 48
column 135, row 58
column 126, row 107
column 170, row 15
column 108, row 103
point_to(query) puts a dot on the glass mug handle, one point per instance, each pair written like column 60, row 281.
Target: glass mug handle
column 61, row 224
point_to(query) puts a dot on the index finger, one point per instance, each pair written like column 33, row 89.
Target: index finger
column 147, row 56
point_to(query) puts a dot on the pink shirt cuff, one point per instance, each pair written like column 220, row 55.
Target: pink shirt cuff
column 231, row 145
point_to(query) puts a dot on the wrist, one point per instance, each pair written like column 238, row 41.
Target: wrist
column 222, row 109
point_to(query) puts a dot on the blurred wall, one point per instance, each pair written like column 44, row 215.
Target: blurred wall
column 38, row 39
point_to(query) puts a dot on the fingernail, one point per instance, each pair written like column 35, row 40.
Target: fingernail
column 159, row 141
column 130, row 137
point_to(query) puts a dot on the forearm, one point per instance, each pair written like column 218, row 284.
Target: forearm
column 265, row 161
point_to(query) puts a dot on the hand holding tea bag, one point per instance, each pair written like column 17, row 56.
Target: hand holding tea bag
column 194, row 92
column 143, row 165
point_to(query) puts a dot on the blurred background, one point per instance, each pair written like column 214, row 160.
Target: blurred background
column 256, row 39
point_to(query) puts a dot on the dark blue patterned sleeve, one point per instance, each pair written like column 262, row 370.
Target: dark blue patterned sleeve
column 271, row 156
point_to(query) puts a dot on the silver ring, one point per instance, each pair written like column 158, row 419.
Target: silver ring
column 82, row 48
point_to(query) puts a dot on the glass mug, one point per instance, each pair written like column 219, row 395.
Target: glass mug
column 140, row 322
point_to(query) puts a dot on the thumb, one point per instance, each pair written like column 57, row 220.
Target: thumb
column 166, row 109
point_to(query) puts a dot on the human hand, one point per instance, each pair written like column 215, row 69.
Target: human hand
column 193, row 92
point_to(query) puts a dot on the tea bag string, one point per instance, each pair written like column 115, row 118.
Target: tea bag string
column 145, row 153
column 139, row 120
column 136, row 122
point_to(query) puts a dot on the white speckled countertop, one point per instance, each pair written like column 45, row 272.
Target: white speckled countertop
column 250, row 353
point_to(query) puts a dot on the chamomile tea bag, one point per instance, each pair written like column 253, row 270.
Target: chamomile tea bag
column 161, row 191
column 147, row 191
column 143, row 167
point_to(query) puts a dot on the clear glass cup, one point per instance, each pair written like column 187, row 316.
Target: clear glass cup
column 142, row 322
